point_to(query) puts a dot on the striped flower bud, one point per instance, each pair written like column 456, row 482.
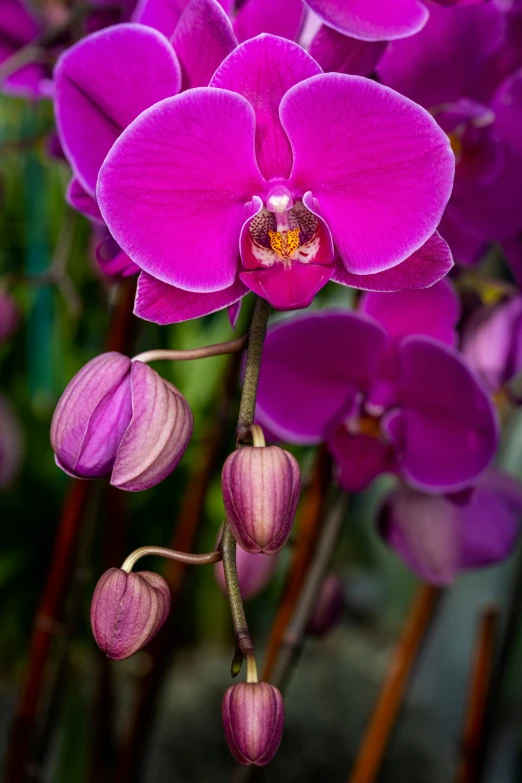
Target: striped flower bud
column 260, row 487
column 127, row 611
column 253, row 716
column 122, row 420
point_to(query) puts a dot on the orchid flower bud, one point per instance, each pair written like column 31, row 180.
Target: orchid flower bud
column 253, row 716
column 119, row 418
column 329, row 607
column 127, row 611
column 260, row 487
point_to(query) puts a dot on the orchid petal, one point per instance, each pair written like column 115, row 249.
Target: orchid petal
column 94, row 105
column 173, row 187
column 263, row 70
column 379, row 166
column 313, row 366
column 165, row 304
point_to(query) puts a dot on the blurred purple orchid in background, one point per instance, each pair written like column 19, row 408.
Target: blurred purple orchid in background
column 439, row 535
column 18, row 28
column 492, row 342
column 379, row 20
column 383, row 388
column 480, row 107
column 328, row 177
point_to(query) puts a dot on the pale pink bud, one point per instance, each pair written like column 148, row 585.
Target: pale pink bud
column 120, row 419
column 261, row 487
column 253, row 717
column 127, row 611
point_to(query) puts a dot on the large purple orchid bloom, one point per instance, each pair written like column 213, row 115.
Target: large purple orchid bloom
column 378, row 20
column 480, row 109
column 439, row 535
column 384, row 389
column 276, row 179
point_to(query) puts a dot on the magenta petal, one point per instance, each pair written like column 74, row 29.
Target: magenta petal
column 162, row 15
column 339, row 53
column 203, row 38
column 288, row 288
column 80, row 200
column 302, row 356
column 490, row 342
column 263, row 70
column 359, row 459
column 379, row 166
column 422, row 269
column 447, row 432
column 490, row 522
column 425, row 532
column 277, row 17
column 372, row 20
column 94, row 105
column 165, row 304
column 173, row 187
column 433, row 311
column 112, row 261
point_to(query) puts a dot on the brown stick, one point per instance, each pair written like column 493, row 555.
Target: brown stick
column 478, row 692
column 399, row 673
column 129, row 763
column 48, row 614
column 312, row 508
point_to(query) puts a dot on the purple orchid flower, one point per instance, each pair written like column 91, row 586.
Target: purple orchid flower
column 481, row 111
column 439, row 535
column 378, row 20
column 492, row 342
column 384, row 388
column 328, row 177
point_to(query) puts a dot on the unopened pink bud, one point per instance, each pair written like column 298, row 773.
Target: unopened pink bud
column 120, row 419
column 127, row 611
column 261, row 487
column 253, row 717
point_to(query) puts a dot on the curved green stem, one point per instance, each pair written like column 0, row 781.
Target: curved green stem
column 218, row 349
column 170, row 554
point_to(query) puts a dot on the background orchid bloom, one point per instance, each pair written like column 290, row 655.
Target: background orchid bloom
column 378, row 20
column 386, row 393
column 480, row 107
column 492, row 342
column 18, row 28
column 439, row 535
column 328, row 177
